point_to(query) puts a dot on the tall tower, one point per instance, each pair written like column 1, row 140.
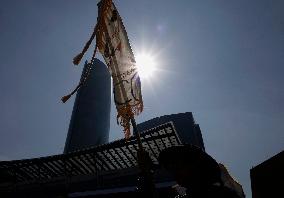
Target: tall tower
column 90, row 120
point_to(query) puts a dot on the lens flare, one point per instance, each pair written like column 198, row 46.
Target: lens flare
column 146, row 65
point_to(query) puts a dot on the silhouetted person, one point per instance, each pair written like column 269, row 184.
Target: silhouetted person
column 195, row 170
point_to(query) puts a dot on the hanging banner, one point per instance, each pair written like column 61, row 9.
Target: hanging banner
column 113, row 44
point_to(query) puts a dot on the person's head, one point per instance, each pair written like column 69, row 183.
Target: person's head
column 191, row 166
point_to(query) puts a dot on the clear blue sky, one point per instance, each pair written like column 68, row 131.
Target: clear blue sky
column 223, row 60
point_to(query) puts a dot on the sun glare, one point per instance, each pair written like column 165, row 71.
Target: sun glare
column 146, row 65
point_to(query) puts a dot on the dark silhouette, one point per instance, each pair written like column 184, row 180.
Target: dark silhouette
column 195, row 170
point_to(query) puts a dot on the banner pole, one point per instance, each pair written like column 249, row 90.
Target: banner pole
column 145, row 182
column 136, row 133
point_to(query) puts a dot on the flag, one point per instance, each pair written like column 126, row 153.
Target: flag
column 112, row 42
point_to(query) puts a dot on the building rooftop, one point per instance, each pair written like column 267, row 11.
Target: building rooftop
column 98, row 166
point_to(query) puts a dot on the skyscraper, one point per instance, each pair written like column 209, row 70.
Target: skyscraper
column 185, row 126
column 90, row 120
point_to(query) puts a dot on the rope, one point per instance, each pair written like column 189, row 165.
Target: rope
column 78, row 58
column 106, row 4
column 97, row 32
column 82, row 81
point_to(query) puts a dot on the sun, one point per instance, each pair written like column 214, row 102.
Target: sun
column 146, row 65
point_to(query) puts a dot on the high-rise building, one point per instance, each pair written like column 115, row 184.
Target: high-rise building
column 90, row 121
column 267, row 177
column 184, row 123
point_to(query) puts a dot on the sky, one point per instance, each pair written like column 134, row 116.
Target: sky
column 223, row 60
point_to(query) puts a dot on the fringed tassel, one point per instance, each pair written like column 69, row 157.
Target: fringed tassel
column 100, row 25
column 78, row 58
column 138, row 108
column 67, row 97
column 123, row 118
column 82, row 82
column 126, row 130
column 124, row 115
column 125, row 123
